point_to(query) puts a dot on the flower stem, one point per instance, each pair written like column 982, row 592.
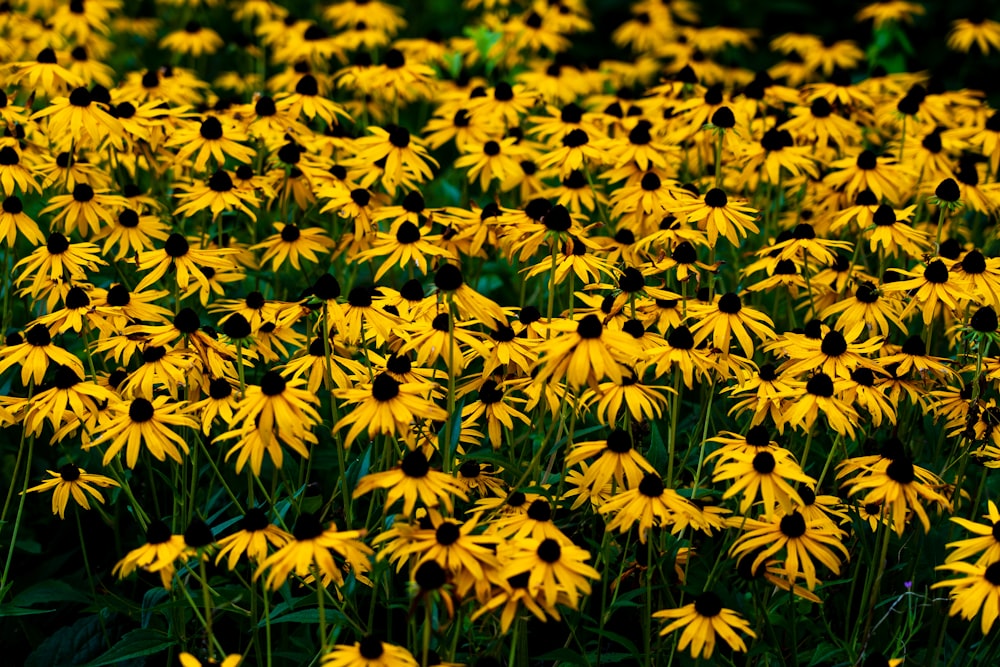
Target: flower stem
column 17, row 519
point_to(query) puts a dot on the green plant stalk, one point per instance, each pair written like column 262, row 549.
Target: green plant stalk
column 647, row 632
column 719, row 134
column 328, row 379
column 17, row 460
column 90, row 575
column 220, row 476
column 197, row 614
column 701, row 445
column 552, row 290
column 206, row 597
column 426, row 640
column 958, row 649
column 829, row 459
column 446, row 451
column 871, row 593
column 267, row 622
column 675, row 409
column 322, row 607
column 18, row 516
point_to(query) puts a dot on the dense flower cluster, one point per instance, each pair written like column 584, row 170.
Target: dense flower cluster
column 453, row 303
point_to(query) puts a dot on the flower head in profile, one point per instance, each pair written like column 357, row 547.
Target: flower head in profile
column 311, row 552
column 72, row 480
column 801, row 541
column 159, row 554
column 369, row 652
column 252, row 539
column 142, row 424
column 554, row 567
column 231, row 660
column 978, row 590
column 585, row 352
column 703, row 621
column 413, row 479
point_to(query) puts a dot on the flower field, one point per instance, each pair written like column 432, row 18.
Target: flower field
column 498, row 333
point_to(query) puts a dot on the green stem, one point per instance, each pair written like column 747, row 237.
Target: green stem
column 206, row 598
column 20, row 513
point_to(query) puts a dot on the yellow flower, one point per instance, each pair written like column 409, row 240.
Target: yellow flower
column 71, row 480
column 703, row 620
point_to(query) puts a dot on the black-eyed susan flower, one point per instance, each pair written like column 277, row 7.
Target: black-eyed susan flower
column 131, row 233
column 899, row 486
column 407, row 246
column 703, row 620
column 194, row 40
column 72, row 480
column 617, row 459
column 44, row 73
column 454, row 546
column 870, row 307
column 219, row 405
column 188, row 263
column 57, row 260
column 512, row 597
column 406, row 159
column 231, row 660
column 818, row 398
column 370, row 651
column 912, row 355
column 470, row 304
column 483, row 478
column 978, row 30
column 631, row 397
column 385, row 406
column 932, row 286
column 277, row 402
column 15, row 222
column 78, row 120
column 159, row 554
column 491, row 160
column 306, row 100
column 836, row 353
column 978, row 590
column 585, row 352
column 884, row 178
column 651, row 504
column 980, row 276
column 413, row 479
column 160, row 369
column 364, row 314
column 496, row 406
column 147, row 424
column 210, row 138
column 553, row 568
column 217, row 194
column 35, row 352
column 986, row 546
column 252, row 443
column 715, row 214
column 726, row 317
column 311, row 552
column 818, row 123
column 765, row 475
column 800, row 540
column 68, row 398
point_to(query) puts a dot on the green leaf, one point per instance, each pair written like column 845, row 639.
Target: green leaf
column 135, row 644
column 13, row 610
column 50, row 591
column 565, row 656
column 69, row 645
column 302, row 616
